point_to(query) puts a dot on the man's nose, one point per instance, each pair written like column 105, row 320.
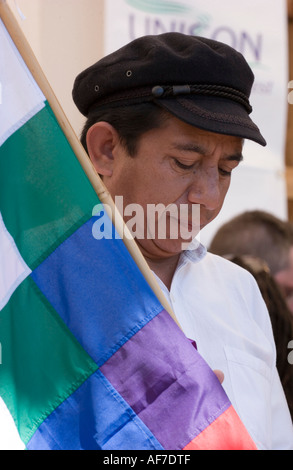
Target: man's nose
column 205, row 189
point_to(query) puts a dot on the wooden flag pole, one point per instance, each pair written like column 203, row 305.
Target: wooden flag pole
column 103, row 194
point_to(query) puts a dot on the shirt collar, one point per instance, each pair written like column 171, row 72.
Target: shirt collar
column 194, row 252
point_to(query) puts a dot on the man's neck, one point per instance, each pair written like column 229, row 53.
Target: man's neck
column 164, row 268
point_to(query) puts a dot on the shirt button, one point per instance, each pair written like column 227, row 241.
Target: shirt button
column 172, row 298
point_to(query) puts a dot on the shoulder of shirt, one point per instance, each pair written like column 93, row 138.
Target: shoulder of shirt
column 223, row 262
column 215, row 266
column 227, row 267
column 233, row 280
column 200, row 255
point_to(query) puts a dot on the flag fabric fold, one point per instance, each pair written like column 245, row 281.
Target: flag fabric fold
column 90, row 358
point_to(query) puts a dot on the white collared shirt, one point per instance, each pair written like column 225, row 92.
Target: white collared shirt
column 219, row 306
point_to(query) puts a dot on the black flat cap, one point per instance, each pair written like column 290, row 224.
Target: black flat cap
column 203, row 82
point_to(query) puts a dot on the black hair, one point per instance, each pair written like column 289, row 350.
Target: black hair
column 131, row 122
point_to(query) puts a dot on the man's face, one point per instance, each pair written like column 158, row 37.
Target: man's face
column 177, row 165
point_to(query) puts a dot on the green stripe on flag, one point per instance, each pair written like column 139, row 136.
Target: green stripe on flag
column 45, row 195
column 42, row 362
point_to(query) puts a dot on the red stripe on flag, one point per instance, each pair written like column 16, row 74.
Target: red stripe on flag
column 225, row 433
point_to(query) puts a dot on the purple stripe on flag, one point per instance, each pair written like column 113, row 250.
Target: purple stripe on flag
column 154, row 387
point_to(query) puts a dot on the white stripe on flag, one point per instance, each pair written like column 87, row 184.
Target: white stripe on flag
column 20, row 96
column 13, row 268
column 9, row 437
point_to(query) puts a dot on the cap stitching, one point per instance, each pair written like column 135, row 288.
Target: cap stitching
column 216, row 116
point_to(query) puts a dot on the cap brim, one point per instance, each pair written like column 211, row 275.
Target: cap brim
column 215, row 115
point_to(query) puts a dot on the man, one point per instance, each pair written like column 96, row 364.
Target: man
column 264, row 235
column 166, row 120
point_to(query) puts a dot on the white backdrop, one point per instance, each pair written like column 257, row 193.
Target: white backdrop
column 256, row 28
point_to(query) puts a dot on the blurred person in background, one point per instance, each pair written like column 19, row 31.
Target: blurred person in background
column 265, row 236
column 280, row 317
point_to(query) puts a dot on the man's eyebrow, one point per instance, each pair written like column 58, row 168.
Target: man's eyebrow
column 238, row 157
column 189, row 147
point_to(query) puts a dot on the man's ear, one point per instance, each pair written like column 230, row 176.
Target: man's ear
column 101, row 140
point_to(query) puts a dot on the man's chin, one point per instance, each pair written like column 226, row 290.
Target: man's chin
column 164, row 248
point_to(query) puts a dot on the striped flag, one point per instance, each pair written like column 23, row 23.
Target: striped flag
column 89, row 357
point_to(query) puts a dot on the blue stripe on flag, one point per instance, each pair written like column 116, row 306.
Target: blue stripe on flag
column 102, row 309
column 95, row 417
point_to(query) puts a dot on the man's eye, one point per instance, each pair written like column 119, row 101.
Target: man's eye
column 225, row 172
column 182, row 166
